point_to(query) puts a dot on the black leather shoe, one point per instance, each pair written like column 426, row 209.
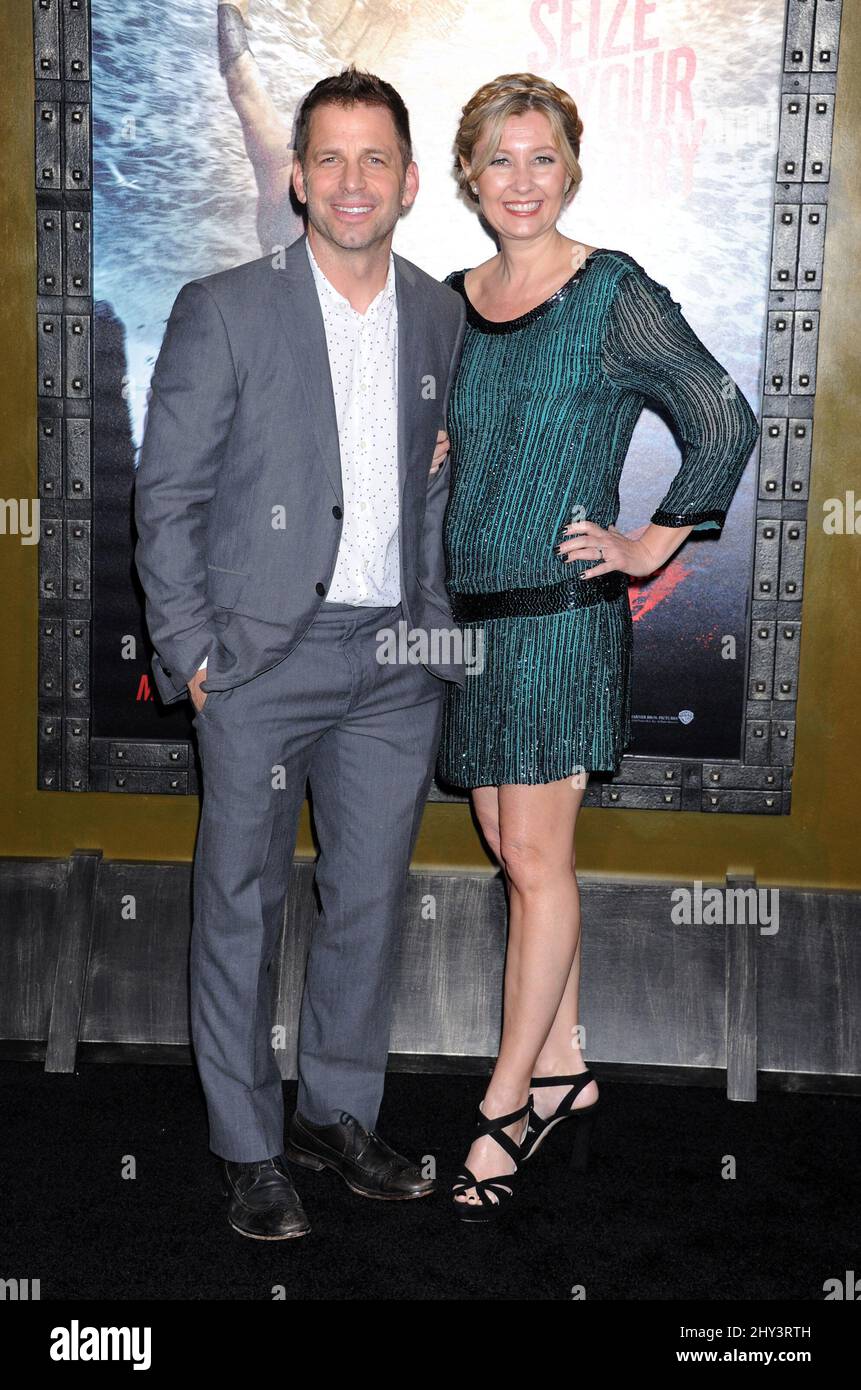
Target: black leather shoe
column 364, row 1160
column 263, row 1204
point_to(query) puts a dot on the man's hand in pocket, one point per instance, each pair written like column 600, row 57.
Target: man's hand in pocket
column 198, row 696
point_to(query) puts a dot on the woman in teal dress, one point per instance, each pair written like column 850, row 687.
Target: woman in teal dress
column 563, row 346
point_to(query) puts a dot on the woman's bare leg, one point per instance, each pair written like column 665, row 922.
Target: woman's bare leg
column 531, row 831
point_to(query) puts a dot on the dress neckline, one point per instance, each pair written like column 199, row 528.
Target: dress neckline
column 538, row 311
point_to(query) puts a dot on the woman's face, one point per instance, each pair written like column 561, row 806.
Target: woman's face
column 522, row 189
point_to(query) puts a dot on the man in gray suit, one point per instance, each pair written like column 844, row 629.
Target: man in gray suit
column 289, row 509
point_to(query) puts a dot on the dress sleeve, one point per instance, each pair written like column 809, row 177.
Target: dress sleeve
column 650, row 348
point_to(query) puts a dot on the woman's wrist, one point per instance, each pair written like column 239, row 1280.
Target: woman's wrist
column 660, row 542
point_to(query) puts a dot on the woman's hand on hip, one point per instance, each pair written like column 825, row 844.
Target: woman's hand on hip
column 611, row 549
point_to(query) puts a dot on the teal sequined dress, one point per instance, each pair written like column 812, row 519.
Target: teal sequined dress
column 540, row 419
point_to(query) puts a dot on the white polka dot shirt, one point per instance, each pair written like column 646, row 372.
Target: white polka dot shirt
column 363, row 362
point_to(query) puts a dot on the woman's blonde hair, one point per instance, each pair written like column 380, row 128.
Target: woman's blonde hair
column 489, row 108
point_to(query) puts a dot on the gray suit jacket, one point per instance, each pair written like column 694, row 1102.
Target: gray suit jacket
column 241, row 429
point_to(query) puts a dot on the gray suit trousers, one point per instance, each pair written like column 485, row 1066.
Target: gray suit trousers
column 364, row 735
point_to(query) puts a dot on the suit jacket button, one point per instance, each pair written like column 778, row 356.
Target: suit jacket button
column 321, row 589
column 336, row 512
column 167, row 672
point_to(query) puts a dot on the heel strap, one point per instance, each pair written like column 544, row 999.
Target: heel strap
column 581, row 1079
column 576, row 1083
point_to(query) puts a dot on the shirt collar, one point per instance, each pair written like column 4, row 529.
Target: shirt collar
column 325, row 286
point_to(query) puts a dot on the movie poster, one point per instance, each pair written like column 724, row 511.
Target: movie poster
column 680, row 109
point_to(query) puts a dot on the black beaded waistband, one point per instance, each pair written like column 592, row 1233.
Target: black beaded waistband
column 542, row 598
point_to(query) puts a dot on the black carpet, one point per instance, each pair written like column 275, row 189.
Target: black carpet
column 652, row 1218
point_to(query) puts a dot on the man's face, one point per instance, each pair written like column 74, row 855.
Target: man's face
column 353, row 182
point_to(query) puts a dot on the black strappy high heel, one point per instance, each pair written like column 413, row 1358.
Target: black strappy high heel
column 489, row 1208
column 538, row 1128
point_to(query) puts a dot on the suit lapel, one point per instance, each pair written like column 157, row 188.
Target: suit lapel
column 408, row 382
column 302, row 322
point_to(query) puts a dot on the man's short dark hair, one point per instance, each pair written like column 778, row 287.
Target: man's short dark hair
column 347, row 88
